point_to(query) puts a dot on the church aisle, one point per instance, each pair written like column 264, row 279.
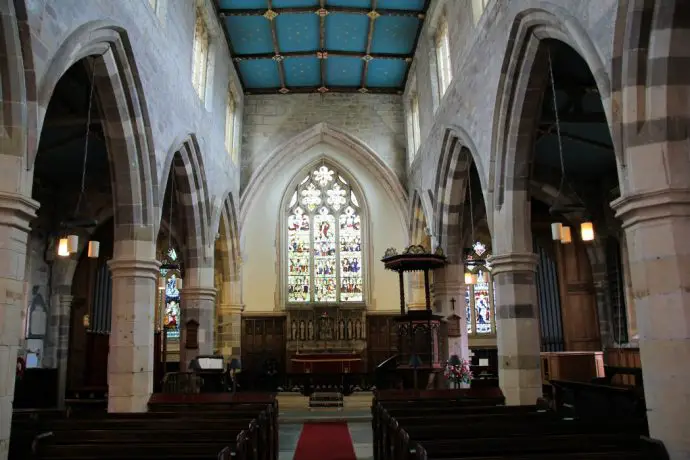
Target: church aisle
column 326, row 441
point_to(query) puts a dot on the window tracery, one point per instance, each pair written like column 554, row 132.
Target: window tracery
column 324, row 240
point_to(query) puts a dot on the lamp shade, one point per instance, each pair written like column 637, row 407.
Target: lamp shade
column 556, row 229
column 235, row 364
column 469, row 278
column 62, row 248
column 415, row 362
column 94, row 249
column 566, row 236
column 586, row 231
column 178, row 283
column 161, row 284
column 72, row 243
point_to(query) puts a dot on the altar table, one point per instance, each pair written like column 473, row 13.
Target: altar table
column 326, row 363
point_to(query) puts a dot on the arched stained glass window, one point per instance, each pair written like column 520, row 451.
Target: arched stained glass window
column 169, row 297
column 479, row 296
column 324, row 240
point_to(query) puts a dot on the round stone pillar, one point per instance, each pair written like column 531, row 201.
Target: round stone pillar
column 199, row 305
column 657, row 227
column 16, row 212
column 62, row 345
column 130, row 361
column 517, row 327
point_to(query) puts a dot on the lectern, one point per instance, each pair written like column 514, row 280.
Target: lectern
column 419, row 331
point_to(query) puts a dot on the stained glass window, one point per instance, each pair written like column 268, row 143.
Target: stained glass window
column 324, row 240
column 479, row 299
column 170, row 294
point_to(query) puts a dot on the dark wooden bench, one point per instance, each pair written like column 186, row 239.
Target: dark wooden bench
column 592, row 399
column 220, row 429
column 455, row 429
column 555, row 445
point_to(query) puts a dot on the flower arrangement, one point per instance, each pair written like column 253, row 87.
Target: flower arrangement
column 458, row 370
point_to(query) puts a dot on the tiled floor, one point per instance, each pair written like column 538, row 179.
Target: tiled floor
column 360, row 432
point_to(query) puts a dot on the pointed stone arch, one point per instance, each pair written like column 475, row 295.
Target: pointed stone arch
column 420, row 228
column 650, row 92
column 508, row 165
column 185, row 164
column 229, row 239
column 457, row 157
column 323, row 132
column 126, row 122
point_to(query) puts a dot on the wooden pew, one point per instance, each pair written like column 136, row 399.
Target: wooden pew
column 246, row 426
column 557, row 446
column 588, row 399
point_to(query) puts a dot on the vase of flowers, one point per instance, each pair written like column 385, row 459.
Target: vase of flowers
column 458, row 372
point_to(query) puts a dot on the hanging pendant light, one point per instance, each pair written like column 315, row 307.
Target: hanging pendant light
column 469, row 278
column 178, row 283
column 161, row 284
column 62, row 248
column 566, row 235
column 94, row 249
column 587, row 231
column 73, row 244
column 556, row 230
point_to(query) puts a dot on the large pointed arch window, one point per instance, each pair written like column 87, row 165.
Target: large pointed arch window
column 324, row 240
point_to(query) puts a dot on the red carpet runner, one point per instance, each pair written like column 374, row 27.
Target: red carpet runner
column 325, row 441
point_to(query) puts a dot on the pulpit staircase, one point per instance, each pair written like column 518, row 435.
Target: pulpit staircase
column 326, row 400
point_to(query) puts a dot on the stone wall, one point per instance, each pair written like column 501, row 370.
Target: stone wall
column 271, row 121
column 161, row 42
column 477, row 55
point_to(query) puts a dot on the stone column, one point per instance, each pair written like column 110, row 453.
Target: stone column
column 16, row 211
column 657, row 225
column 229, row 330
column 449, row 283
column 199, row 305
column 517, row 327
column 62, row 345
column 130, row 362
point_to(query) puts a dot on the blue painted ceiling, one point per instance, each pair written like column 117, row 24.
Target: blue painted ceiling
column 297, row 46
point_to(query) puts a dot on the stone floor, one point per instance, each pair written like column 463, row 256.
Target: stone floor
column 360, row 432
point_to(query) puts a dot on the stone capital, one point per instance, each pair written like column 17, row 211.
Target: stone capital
column 140, row 268
column 513, row 262
column 230, row 308
column 653, row 205
column 17, row 210
column 201, row 293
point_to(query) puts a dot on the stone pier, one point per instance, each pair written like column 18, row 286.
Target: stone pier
column 16, row 212
column 198, row 304
column 517, row 326
column 657, row 226
column 130, row 362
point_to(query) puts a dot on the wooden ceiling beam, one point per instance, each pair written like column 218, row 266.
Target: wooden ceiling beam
column 315, row 89
column 355, row 54
column 370, row 36
column 322, row 43
column 330, row 9
column 276, row 48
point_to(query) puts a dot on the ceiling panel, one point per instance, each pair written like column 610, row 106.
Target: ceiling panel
column 344, row 71
column 395, row 34
column 347, row 32
column 386, row 73
column 348, row 45
column 249, row 35
column 302, row 71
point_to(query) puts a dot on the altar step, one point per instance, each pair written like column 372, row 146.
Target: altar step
column 329, row 399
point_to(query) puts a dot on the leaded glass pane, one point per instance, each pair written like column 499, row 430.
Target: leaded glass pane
column 324, row 257
column 468, row 308
column 298, row 256
column 350, row 256
column 482, row 304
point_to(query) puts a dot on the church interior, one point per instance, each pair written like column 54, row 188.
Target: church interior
column 344, row 229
